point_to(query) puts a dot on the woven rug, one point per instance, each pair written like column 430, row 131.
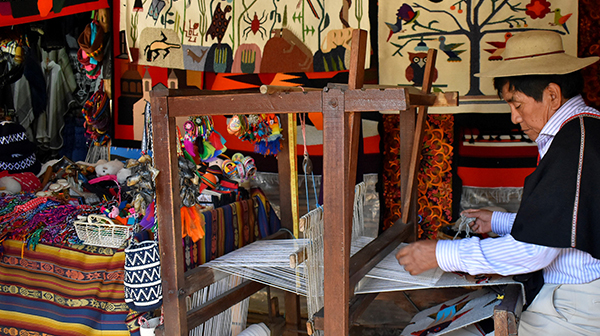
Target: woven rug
column 63, row 291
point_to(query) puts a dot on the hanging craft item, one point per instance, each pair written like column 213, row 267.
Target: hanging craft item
column 91, row 51
column 96, row 112
column 263, row 131
column 210, row 143
column 191, row 133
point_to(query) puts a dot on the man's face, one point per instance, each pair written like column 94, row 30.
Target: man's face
column 530, row 114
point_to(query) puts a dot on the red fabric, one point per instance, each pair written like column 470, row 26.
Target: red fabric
column 28, row 181
column 8, row 20
column 493, row 177
column 497, row 151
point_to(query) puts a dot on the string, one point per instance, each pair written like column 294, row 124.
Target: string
column 306, row 168
column 305, row 162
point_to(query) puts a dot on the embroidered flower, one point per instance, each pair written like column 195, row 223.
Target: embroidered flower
column 537, row 9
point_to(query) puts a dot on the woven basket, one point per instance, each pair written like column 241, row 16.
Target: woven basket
column 100, row 230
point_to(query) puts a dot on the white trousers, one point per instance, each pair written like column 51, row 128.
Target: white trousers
column 558, row 310
column 563, row 310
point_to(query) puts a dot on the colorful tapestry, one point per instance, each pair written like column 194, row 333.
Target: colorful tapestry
column 63, row 291
column 470, row 36
column 434, row 178
column 14, row 12
column 230, row 227
column 242, row 36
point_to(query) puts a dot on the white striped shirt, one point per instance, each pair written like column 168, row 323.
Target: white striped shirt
column 505, row 255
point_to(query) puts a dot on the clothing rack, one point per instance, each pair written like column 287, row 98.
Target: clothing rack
column 341, row 106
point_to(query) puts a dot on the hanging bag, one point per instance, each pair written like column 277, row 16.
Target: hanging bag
column 143, row 287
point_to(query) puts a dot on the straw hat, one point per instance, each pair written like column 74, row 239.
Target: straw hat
column 537, row 52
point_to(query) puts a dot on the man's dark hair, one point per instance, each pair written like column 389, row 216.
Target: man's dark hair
column 533, row 86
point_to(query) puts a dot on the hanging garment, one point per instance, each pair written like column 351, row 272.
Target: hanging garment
column 50, row 123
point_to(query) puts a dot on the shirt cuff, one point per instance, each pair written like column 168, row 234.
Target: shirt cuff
column 447, row 255
column 502, row 222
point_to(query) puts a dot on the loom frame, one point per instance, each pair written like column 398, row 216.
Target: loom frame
column 341, row 106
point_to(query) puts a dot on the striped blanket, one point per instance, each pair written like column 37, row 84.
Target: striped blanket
column 63, row 291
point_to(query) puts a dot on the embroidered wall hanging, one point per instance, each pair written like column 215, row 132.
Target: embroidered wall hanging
column 470, row 36
column 434, row 178
column 242, row 36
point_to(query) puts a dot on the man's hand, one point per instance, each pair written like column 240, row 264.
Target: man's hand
column 418, row 257
column 483, row 221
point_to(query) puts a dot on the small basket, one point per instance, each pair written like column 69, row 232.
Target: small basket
column 100, row 230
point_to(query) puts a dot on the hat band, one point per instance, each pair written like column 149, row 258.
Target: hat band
column 535, row 55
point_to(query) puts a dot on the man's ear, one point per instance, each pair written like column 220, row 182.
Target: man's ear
column 554, row 94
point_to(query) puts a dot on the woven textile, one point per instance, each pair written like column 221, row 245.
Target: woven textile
column 143, row 286
column 63, row 292
column 434, row 177
column 230, row 227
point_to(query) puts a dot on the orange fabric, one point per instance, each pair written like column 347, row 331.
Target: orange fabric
column 44, row 6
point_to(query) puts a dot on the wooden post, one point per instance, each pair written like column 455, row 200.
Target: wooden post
column 356, row 79
column 169, row 225
column 337, row 213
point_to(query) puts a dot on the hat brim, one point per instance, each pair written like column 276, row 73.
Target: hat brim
column 558, row 64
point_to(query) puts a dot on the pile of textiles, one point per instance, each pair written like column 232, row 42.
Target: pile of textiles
column 34, row 220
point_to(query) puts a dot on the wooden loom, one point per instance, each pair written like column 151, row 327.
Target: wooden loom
column 341, row 106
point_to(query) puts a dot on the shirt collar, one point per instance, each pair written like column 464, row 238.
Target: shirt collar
column 567, row 110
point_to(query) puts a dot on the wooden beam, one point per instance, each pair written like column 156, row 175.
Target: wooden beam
column 273, row 89
column 355, row 81
column 415, row 158
column 167, row 202
column 285, row 173
column 219, row 304
column 246, row 103
column 293, row 320
column 507, row 312
column 407, row 136
column 336, row 205
column 438, row 99
column 369, row 100
column 358, row 305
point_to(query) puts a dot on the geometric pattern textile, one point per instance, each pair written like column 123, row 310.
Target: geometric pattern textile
column 63, row 291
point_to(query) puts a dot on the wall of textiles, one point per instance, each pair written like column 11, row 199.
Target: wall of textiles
column 242, row 36
column 230, row 227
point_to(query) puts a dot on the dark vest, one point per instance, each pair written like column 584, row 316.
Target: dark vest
column 560, row 206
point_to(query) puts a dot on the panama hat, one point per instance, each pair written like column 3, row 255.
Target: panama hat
column 537, row 53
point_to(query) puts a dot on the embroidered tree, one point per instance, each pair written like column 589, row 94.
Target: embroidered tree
column 479, row 18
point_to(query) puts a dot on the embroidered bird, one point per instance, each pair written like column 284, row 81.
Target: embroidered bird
column 560, row 20
column 416, row 70
column 450, row 49
column 219, row 23
column 405, row 13
column 500, row 46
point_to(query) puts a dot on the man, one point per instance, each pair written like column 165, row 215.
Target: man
column 557, row 227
